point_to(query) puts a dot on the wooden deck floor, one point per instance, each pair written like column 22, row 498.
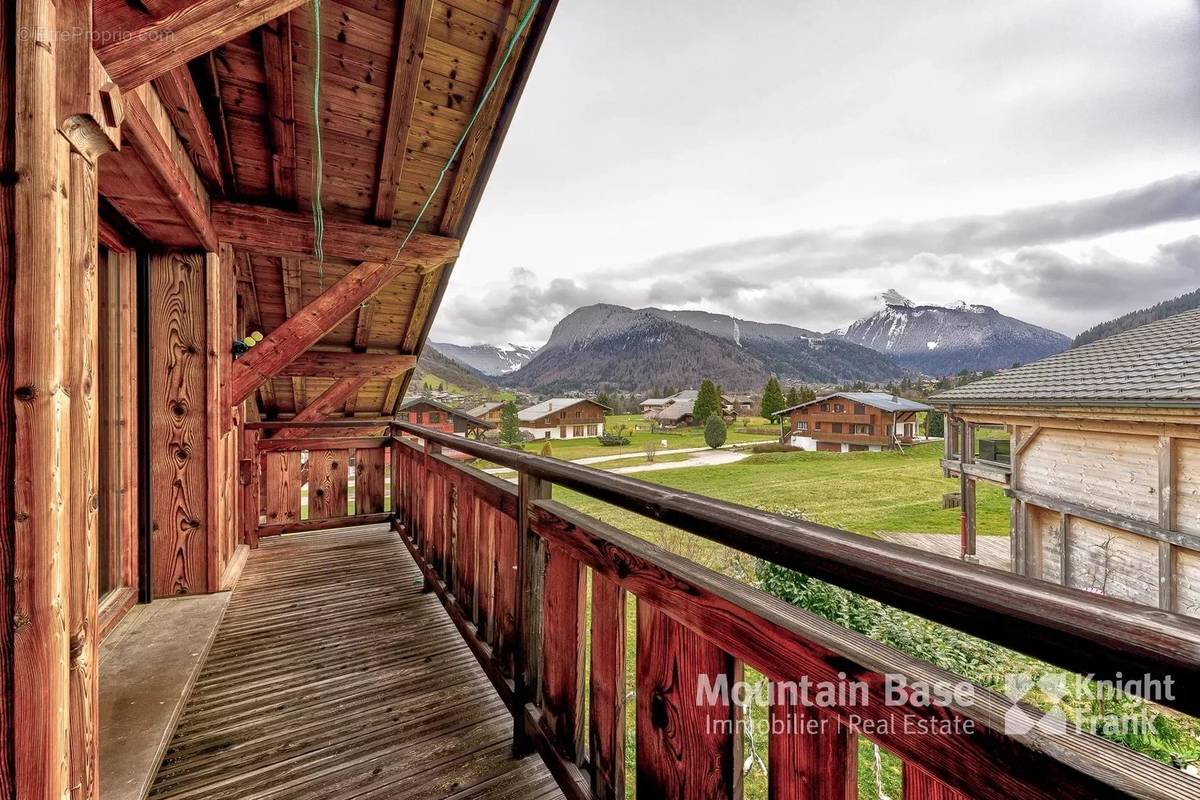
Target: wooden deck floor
column 334, row 677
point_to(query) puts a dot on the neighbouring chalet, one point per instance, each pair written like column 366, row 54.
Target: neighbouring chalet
column 301, row 596
column 492, row 412
column 676, row 411
column 677, row 414
column 849, row 422
column 563, row 418
column 441, row 417
column 1102, row 463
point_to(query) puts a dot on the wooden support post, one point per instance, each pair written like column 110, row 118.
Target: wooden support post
column 1166, row 521
column 329, row 401
column 531, row 567
column 1064, row 538
column 606, row 710
column 812, row 755
column 966, row 490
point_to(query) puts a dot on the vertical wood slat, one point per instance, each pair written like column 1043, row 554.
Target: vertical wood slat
column 281, row 473
column 40, row 423
column 251, row 487
column 125, row 265
column 606, row 717
column 368, row 480
column 485, row 573
column 920, row 785
column 466, row 550
column 564, row 590
column 684, row 749
column 811, row 755
column 530, row 563
column 328, row 481
column 1166, row 521
column 397, row 479
column 9, row 246
column 504, row 609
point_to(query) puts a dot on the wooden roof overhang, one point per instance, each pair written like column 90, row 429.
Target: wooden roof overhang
column 219, row 148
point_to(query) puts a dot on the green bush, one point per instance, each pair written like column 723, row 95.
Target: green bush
column 611, row 440
column 547, row 450
column 714, row 431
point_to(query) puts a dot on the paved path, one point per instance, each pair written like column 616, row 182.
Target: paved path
column 627, row 454
column 708, row 458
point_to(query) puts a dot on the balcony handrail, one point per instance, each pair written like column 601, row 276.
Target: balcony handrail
column 1089, row 634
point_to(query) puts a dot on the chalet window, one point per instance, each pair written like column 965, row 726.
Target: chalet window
column 578, row 415
column 824, row 406
column 859, row 408
column 837, row 427
column 562, row 431
column 591, row 430
column 404, row 416
column 578, row 430
column 801, row 425
column 434, row 417
column 838, row 407
column 817, row 427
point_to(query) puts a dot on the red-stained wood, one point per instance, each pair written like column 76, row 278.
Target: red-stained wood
column 144, row 137
column 328, row 523
column 465, row 547
column 606, row 707
column 325, row 404
column 328, row 479
column 682, row 750
column 811, row 754
column 920, row 785
column 305, row 328
column 250, row 479
column 111, row 236
column 178, row 93
column 137, row 45
column 485, row 575
column 276, row 232
column 406, row 77
column 368, row 480
column 126, row 360
column 323, row 442
column 281, row 475
column 277, row 68
column 178, row 423
column 35, row 335
column 84, row 485
column 504, row 609
column 325, row 364
column 564, row 590
column 213, row 414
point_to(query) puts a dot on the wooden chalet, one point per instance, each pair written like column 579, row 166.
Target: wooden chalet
column 490, row 411
column 1101, row 461
column 232, row 578
column 848, row 422
column 441, row 417
column 563, row 418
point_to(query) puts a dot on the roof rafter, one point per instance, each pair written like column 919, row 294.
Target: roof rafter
column 182, row 102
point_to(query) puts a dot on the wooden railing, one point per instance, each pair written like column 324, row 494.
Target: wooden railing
column 526, row 579
column 321, row 477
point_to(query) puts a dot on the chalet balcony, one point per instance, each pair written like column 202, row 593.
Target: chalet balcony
column 476, row 643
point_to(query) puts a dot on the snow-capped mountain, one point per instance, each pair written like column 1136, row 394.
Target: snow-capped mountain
column 487, row 358
column 941, row 340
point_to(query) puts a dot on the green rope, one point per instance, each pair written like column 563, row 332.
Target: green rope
column 487, row 92
column 318, row 166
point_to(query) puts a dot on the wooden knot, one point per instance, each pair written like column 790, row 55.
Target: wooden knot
column 25, row 393
column 659, row 717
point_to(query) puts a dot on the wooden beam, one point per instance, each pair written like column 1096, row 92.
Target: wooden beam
column 249, row 292
column 281, row 97
column 330, row 400
column 273, row 231
column 422, row 307
column 406, row 77
column 141, row 132
column 323, row 442
column 321, row 364
column 211, row 89
column 359, row 423
column 139, row 45
column 182, row 102
column 303, row 329
column 293, row 300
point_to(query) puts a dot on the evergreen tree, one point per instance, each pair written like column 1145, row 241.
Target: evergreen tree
column 604, row 400
column 714, row 431
column 772, row 398
column 936, row 423
column 708, row 402
column 793, row 397
column 510, row 426
column 807, row 395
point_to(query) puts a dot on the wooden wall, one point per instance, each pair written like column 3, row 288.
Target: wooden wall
column 193, row 438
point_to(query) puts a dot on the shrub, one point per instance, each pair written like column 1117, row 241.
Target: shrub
column 714, row 431
column 547, row 450
column 611, row 440
column 775, row 447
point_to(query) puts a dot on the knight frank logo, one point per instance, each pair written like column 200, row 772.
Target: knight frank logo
column 1121, row 706
column 1018, row 720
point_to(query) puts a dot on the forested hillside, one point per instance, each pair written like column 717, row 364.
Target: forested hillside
column 1135, row 319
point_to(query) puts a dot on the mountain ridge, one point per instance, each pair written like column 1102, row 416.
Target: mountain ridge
column 487, row 359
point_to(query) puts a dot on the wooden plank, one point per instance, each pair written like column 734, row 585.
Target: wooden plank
column 920, row 785
column 530, row 562
column 40, row 424
column 406, row 78
column 421, row 309
column 606, row 709
column 323, row 364
column 178, row 93
column 9, row 247
column 273, row 231
column 1149, row 530
column 156, row 154
column 137, row 45
column 565, row 587
column 811, row 754
column 251, row 479
column 682, row 751
column 281, row 474
column 322, row 443
column 368, row 480
column 328, row 523
column 277, row 67
column 311, row 323
column 125, row 265
column 84, row 485
column 328, row 479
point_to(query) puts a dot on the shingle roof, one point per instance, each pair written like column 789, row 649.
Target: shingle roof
column 480, row 410
column 676, row 411
column 1157, row 364
column 419, row 401
column 884, row 401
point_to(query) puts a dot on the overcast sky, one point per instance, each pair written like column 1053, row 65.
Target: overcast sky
column 787, row 160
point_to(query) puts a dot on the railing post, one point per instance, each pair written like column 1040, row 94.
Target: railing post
column 427, row 504
column 531, row 564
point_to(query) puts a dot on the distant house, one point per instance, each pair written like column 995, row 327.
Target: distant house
column 847, row 422
column 489, row 411
column 737, row 405
column 677, row 414
column 653, row 407
column 441, row 417
column 1101, row 460
column 563, row 418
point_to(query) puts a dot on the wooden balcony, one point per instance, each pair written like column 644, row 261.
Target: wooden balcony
column 441, row 653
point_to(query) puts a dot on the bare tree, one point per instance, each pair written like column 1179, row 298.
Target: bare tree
column 651, row 449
